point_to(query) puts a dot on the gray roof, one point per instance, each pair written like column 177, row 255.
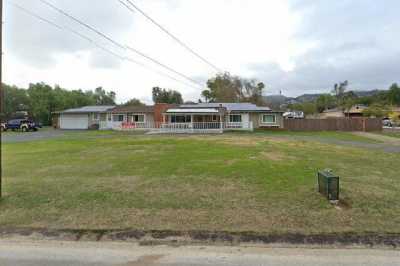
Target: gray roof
column 229, row 106
column 89, row 109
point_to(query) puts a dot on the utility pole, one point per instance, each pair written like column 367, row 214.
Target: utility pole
column 1, row 87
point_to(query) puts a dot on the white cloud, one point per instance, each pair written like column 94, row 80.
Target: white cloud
column 282, row 44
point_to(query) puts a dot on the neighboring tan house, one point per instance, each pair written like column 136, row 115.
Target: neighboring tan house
column 332, row 113
column 81, row 118
column 355, row 111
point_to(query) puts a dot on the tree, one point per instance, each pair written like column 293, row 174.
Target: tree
column 393, row 96
column 40, row 100
column 14, row 99
column 324, row 102
column 206, row 94
column 227, row 88
column 376, row 110
column 339, row 90
column 166, row 96
column 134, row 102
column 308, row 108
column 104, row 98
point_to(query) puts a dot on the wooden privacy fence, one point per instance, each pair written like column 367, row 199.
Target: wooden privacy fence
column 334, row 124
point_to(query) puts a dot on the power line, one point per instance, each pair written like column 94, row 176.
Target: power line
column 161, row 64
column 117, row 43
column 124, row 58
column 169, row 33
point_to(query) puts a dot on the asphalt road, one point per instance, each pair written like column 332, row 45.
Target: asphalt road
column 18, row 253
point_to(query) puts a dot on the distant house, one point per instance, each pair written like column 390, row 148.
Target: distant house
column 185, row 118
column 355, row 111
column 332, row 113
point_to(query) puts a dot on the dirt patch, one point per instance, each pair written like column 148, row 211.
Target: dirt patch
column 231, row 162
column 144, row 261
column 242, row 141
column 275, row 156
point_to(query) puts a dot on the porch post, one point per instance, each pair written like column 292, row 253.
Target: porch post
column 221, row 123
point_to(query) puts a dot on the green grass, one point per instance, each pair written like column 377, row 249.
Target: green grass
column 327, row 135
column 236, row 182
column 391, row 134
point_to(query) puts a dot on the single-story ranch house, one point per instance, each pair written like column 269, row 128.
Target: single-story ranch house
column 81, row 118
column 185, row 118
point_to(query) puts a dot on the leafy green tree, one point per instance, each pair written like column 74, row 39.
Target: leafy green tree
column 134, row 102
column 324, row 102
column 227, row 88
column 166, row 96
column 104, row 98
column 41, row 102
column 307, row 108
column 377, row 110
column 206, row 94
column 14, row 99
column 393, row 95
column 339, row 90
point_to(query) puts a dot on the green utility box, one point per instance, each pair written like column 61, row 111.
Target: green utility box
column 328, row 184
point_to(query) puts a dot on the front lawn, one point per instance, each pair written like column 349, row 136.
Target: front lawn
column 392, row 134
column 235, row 182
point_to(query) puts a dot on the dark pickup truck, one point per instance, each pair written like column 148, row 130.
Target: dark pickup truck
column 21, row 124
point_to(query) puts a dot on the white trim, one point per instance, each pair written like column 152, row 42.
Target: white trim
column 267, row 123
column 133, row 114
column 235, row 114
column 123, row 119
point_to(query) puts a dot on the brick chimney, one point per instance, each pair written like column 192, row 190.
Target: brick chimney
column 159, row 109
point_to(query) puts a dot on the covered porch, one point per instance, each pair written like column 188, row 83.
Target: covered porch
column 192, row 121
column 201, row 120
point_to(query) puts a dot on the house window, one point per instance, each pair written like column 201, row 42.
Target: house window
column 214, row 118
column 235, row 118
column 138, row 118
column 181, row 119
column 268, row 119
column 118, row 118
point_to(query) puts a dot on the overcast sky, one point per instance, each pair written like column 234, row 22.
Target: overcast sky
column 297, row 46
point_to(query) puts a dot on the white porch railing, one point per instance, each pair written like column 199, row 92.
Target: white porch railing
column 239, row 126
column 194, row 127
column 103, row 125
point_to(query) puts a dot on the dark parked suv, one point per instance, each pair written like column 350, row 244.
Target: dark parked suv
column 21, row 124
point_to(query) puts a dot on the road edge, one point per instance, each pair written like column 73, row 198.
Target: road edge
column 197, row 237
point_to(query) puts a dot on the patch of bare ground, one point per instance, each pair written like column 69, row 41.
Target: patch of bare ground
column 275, row 156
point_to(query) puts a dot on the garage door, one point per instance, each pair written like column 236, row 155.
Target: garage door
column 74, row 121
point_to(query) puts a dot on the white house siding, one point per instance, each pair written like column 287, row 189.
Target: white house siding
column 256, row 119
